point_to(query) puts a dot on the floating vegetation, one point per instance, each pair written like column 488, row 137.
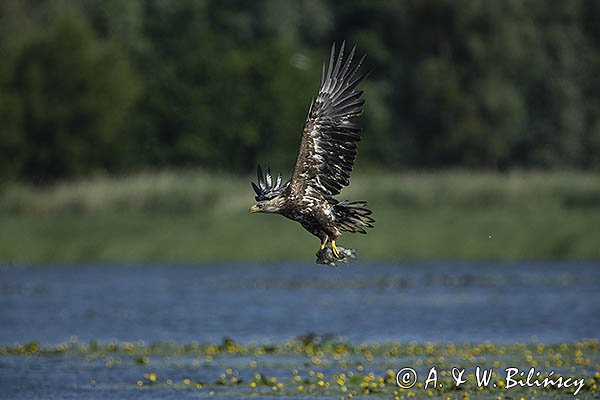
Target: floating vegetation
column 316, row 366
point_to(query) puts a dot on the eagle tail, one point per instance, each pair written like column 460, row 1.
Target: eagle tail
column 353, row 216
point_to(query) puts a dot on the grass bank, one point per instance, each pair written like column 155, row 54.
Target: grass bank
column 195, row 216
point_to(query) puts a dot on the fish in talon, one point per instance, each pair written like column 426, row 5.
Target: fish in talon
column 326, row 256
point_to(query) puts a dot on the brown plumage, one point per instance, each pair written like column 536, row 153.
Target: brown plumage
column 325, row 160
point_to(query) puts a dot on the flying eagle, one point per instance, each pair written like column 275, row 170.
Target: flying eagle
column 325, row 160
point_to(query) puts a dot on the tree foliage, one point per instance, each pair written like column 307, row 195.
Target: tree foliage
column 68, row 97
column 114, row 85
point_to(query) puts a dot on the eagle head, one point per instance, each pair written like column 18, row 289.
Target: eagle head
column 268, row 197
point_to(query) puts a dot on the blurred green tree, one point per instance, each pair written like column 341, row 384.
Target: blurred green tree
column 224, row 84
column 210, row 99
column 75, row 93
column 477, row 83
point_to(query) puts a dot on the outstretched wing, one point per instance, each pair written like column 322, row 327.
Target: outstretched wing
column 330, row 139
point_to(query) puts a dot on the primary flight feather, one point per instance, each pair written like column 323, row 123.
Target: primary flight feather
column 325, row 160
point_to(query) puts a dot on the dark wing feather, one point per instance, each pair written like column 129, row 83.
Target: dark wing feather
column 330, row 139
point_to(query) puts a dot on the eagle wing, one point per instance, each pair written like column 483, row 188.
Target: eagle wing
column 329, row 139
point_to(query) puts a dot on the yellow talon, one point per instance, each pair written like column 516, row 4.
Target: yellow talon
column 336, row 252
column 322, row 246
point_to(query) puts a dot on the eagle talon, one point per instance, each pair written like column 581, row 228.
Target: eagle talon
column 335, row 250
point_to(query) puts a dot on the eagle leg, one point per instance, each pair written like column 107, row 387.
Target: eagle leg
column 336, row 252
column 324, row 242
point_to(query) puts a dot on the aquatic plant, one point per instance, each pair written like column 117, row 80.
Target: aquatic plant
column 316, row 366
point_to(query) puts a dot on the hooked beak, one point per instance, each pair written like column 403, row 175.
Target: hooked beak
column 254, row 209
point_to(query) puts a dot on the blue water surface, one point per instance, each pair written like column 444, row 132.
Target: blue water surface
column 362, row 302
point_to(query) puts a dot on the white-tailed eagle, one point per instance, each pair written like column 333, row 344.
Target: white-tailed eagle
column 325, row 160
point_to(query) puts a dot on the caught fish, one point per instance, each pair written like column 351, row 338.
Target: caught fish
column 326, row 256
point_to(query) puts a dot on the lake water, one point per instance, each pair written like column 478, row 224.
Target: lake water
column 252, row 303
column 420, row 302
